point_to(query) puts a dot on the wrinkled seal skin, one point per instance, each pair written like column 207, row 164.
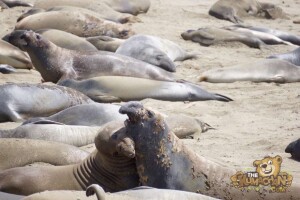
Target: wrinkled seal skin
column 105, row 43
column 22, row 101
column 21, row 152
column 163, row 161
column 97, row 6
column 13, row 56
column 111, row 166
column 72, row 135
column 107, row 89
column 67, row 64
column 84, row 24
column 60, row 38
column 211, row 36
column 268, row 70
column 292, row 57
column 294, row 149
column 154, row 50
column 10, row 4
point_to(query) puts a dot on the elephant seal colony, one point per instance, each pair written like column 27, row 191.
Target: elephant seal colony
column 67, row 64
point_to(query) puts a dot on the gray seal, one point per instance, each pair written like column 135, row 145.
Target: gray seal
column 292, row 57
column 294, row 149
column 22, row 101
column 67, row 64
column 107, row 89
column 154, row 50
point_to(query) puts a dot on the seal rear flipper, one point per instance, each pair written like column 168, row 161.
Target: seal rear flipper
column 6, row 69
column 220, row 97
column 17, row 3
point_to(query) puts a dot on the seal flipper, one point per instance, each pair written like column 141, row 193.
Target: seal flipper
column 102, row 98
column 277, row 79
column 17, row 3
column 95, row 188
column 6, row 69
column 220, row 97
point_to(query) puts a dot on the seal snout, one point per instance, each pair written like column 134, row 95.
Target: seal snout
column 131, row 109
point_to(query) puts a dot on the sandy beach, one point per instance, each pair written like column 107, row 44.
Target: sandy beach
column 263, row 118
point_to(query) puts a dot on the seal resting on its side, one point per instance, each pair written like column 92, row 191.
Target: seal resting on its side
column 294, row 149
column 292, row 57
column 67, row 64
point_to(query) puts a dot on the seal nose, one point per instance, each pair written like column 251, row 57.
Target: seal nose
column 264, row 166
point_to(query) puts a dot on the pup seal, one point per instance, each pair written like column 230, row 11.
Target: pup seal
column 106, row 89
column 22, row 101
column 292, row 57
column 269, row 70
column 294, row 149
column 163, row 161
column 154, row 50
column 67, row 64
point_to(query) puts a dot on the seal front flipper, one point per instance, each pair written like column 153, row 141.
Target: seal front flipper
column 6, row 69
column 277, row 79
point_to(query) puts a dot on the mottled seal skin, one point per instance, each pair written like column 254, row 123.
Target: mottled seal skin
column 72, row 135
column 6, row 69
column 232, row 11
column 129, row 6
column 64, row 64
column 84, row 24
column 9, row 4
column 60, row 38
column 211, row 36
column 22, row 101
column 269, row 70
column 97, row 6
column 13, row 56
column 105, row 43
column 163, row 161
column 294, row 149
column 107, row 89
column 154, row 50
column 110, row 166
column 21, row 152
column 292, row 57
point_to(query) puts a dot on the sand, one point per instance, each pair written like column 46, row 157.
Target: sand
column 263, row 118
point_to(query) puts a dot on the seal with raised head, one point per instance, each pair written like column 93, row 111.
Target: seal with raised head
column 154, row 50
column 67, row 64
column 292, row 57
column 84, row 24
column 294, row 149
column 163, row 161
column 107, row 89
column 111, row 166
column 21, row 152
column 268, row 70
column 22, row 101
column 11, row 55
column 211, row 36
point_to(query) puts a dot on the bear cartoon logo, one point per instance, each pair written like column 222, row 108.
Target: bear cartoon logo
column 269, row 166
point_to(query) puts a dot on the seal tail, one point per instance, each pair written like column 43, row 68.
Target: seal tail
column 220, row 97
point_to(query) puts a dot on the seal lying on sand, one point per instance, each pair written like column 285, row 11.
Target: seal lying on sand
column 84, row 24
column 210, row 36
column 22, row 101
column 154, row 50
column 163, row 161
column 67, row 64
column 294, row 149
column 60, row 38
column 120, row 88
column 269, row 70
column 233, row 10
column 21, row 152
column 105, row 43
column 110, row 166
column 13, row 3
column 292, row 57
column 13, row 56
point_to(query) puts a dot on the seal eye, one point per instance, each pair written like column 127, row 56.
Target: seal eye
column 270, row 162
column 38, row 37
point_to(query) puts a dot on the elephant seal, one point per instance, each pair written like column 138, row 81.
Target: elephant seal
column 154, row 50
column 67, row 64
column 211, row 36
column 269, row 70
column 163, row 161
column 294, row 149
column 111, row 166
column 60, row 38
column 129, row 6
column 21, row 152
column 22, row 101
column 292, row 57
column 107, row 89
column 6, row 69
column 105, row 43
column 84, row 24
column 13, row 56
column 97, row 6
column 296, row 21
column 72, row 135
column 232, row 11
column 9, row 4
